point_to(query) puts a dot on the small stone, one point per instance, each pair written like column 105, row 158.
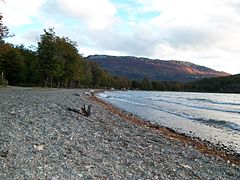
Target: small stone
column 39, row 147
column 186, row 166
column 80, row 175
column 4, row 154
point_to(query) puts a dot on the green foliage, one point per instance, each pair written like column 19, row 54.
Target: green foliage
column 60, row 63
column 100, row 78
column 47, row 55
column 88, row 76
column 56, row 63
column 30, row 59
column 146, row 84
column 220, row 84
column 12, row 64
column 122, row 83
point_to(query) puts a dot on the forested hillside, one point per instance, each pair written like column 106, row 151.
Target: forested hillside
column 230, row 84
column 54, row 63
column 136, row 68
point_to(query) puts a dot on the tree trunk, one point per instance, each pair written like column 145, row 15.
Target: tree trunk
column 51, row 81
column 74, row 84
column 58, row 83
column 46, row 81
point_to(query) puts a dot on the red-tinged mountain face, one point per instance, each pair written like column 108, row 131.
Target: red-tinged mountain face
column 137, row 68
column 194, row 69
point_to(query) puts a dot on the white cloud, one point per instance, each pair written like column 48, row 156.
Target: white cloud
column 96, row 14
column 205, row 32
column 20, row 12
column 32, row 37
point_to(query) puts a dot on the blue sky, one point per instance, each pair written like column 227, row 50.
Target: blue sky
column 205, row 32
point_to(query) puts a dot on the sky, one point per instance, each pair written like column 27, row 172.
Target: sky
column 204, row 32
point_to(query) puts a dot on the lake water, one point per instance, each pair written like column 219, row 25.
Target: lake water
column 211, row 116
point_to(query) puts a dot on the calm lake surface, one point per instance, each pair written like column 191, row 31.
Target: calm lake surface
column 211, row 116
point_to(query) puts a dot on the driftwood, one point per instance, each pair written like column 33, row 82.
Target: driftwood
column 85, row 110
column 74, row 110
column 76, row 94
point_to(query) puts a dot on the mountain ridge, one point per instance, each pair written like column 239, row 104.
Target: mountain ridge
column 136, row 68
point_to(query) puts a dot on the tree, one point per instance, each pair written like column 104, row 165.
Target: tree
column 3, row 34
column 73, row 63
column 157, row 85
column 60, row 62
column 122, row 83
column 31, row 65
column 87, row 79
column 3, row 30
column 146, row 85
column 47, row 55
column 12, row 64
column 96, row 73
column 136, row 85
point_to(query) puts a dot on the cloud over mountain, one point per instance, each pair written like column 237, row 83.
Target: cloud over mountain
column 204, row 32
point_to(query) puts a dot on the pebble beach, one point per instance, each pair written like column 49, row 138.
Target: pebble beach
column 41, row 138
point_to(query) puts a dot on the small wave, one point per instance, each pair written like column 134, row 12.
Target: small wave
column 127, row 101
column 196, row 106
column 213, row 102
column 234, row 126
column 219, row 123
column 102, row 95
column 214, row 122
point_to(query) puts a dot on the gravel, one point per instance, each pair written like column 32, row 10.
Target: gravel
column 41, row 139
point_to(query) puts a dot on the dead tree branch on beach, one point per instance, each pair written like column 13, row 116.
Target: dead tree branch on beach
column 74, row 110
column 85, row 110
